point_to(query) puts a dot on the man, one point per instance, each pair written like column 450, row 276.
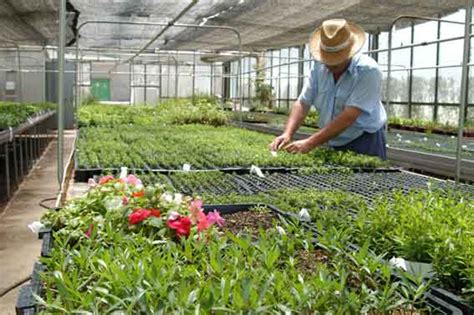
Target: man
column 346, row 89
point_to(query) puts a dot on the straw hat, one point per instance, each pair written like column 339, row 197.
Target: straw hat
column 336, row 41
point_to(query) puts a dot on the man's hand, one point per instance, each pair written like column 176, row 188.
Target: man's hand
column 300, row 146
column 280, row 142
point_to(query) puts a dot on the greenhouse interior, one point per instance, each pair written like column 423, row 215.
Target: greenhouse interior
column 327, row 165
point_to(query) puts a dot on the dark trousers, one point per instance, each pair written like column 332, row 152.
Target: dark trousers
column 373, row 144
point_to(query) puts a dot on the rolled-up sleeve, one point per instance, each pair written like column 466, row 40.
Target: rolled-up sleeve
column 309, row 89
column 367, row 91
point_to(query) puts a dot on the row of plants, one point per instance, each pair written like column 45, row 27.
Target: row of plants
column 180, row 112
column 429, row 143
column 127, row 248
column 433, row 226
column 14, row 114
column 200, row 146
column 429, row 126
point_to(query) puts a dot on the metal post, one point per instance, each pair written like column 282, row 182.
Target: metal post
column 464, row 90
column 436, row 91
column 288, row 80
column 145, row 82
column 300, row 68
column 176, row 80
column 194, row 76
column 389, row 69
column 15, row 161
column 7, row 169
column 62, row 46
column 410, row 73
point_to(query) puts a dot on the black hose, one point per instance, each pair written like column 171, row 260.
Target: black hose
column 41, row 204
column 14, row 286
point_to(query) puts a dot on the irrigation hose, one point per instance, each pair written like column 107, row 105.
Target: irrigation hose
column 14, row 286
column 41, row 204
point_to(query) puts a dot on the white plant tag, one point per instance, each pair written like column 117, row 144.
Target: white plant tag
column 274, row 153
column 35, row 226
column 438, row 145
column 304, row 215
column 257, row 171
column 186, row 167
column 123, row 172
column 417, row 269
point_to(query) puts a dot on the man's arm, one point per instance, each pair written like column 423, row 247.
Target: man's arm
column 332, row 130
column 297, row 115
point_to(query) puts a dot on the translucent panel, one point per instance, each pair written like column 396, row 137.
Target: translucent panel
column 424, row 56
column 383, row 40
column 448, row 115
column 451, row 52
column 401, row 37
column 138, row 75
column 152, row 75
column 449, row 30
column 449, row 85
column 423, row 88
column 398, row 86
column 284, row 88
column 202, row 80
column 424, row 112
column 424, row 32
column 401, row 58
column 398, row 110
column 85, row 73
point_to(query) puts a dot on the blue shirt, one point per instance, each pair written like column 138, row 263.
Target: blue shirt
column 359, row 86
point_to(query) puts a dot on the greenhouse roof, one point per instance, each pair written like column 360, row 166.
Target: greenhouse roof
column 262, row 23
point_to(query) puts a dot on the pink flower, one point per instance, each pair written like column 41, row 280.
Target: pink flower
column 214, row 217
column 174, row 216
column 125, row 200
column 139, row 215
column 133, row 180
column 182, row 226
column 89, row 231
column 104, row 180
column 195, row 209
column 203, row 223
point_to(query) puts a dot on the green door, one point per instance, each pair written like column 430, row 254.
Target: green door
column 101, row 89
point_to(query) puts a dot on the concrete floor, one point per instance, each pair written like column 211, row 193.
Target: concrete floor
column 19, row 247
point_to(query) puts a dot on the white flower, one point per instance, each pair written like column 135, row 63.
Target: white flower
column 92, row 183
column 35, row 226
column 167, row 197
column 178, row 198
column 173, row 215
column 113, row 203
column 304, row 215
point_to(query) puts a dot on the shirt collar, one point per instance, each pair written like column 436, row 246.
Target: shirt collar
column 353, row 64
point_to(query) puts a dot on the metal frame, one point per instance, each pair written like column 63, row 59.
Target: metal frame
column 19, row 76
column 464, row 79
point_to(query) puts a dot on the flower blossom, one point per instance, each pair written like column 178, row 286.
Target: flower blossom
column 140, row 215
column 181, row 225
column 214, row 217
column 104, row 180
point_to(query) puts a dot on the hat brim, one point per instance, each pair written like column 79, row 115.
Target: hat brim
column 335, row 58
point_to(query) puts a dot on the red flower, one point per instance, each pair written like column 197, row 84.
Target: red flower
column 104, row 180
column 181, row 225
column 155, row 213
column 138, row 194
column 89, row 231
column 138, row 216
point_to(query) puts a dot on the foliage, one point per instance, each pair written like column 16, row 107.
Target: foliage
column 429, row 125
column 264, row 94
column 14, row 114
column 129, row 207
column 203, row 147
column 120, row 268
column 179, row 112
column 426, row 226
